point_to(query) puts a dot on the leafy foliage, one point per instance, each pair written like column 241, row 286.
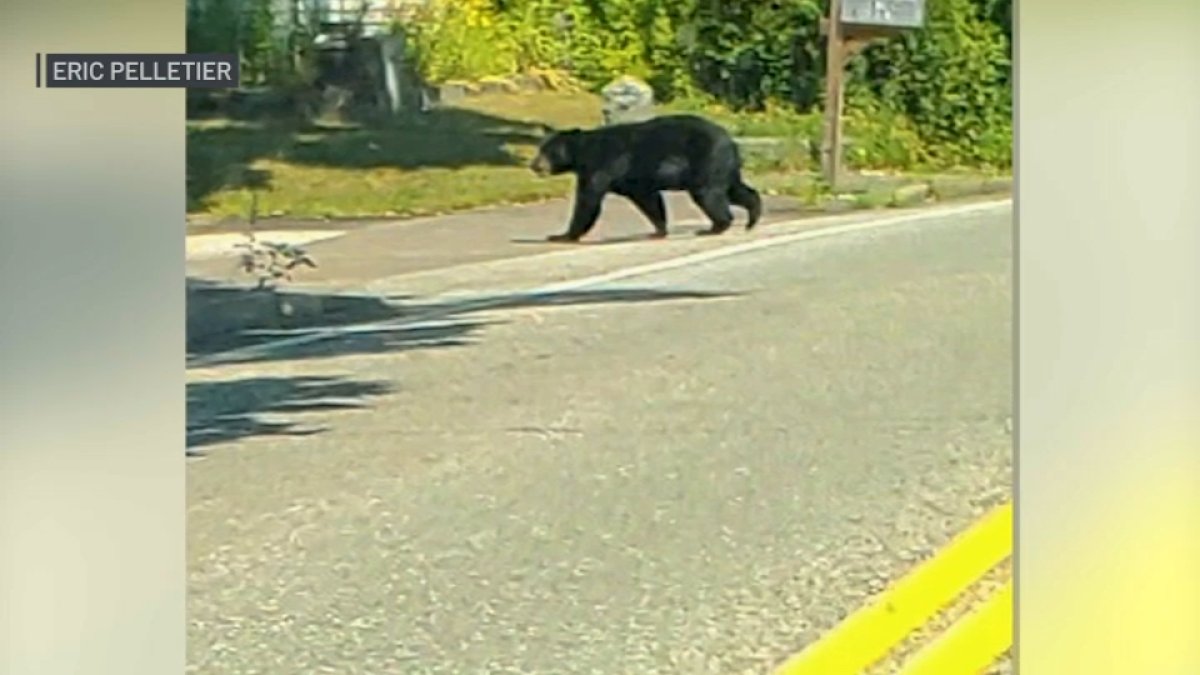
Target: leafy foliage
column 270, row 51
column 940, row 95
column 458, row 40
column 952, row 80
column 748, row 52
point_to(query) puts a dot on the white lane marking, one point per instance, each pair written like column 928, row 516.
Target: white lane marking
column 467, row 305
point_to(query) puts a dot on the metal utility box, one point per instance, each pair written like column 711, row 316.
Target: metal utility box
column 894, row 15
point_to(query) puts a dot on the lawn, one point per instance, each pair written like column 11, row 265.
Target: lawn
column 446, row 160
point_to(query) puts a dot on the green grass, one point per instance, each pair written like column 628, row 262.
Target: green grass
column 448, row 160
column 459, row 158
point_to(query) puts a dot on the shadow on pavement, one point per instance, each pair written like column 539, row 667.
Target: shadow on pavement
column 677, row 232
column 224, row 319
column 230, row 410
column 217, row 314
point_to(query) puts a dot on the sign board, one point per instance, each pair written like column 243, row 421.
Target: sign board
column 887, row 14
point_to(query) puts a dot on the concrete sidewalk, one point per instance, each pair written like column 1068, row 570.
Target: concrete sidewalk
column 353, row 253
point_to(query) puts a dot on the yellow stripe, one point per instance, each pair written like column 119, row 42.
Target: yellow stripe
column 972, row 644
column 870, row 633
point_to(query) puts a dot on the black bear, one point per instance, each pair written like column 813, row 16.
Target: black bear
column 641, row 160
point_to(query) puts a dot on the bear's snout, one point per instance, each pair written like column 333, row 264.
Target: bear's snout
column 540, row 165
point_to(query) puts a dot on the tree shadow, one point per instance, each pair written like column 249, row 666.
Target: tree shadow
column 220, row 412
column 237, row 325
column 218, row 312
column 231, row 410
column 221, row 154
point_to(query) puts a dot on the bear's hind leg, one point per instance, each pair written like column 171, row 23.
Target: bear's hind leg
column 715, row 204
column 748, row 198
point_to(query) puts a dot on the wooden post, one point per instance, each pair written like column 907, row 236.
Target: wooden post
column 835, row 55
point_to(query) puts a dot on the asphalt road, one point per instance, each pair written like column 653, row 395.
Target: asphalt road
column 692, row 471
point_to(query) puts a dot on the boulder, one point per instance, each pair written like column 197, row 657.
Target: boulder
column 627, row 99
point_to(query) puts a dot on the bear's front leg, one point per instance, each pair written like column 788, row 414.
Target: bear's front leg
column 586, row 213
column 651, row 205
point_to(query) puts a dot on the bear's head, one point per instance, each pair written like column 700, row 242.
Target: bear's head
column 556, row 154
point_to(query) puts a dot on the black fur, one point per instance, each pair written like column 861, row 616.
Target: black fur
column 641, row 160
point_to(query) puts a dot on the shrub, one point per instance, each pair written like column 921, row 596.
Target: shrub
column 881, row 138
column 937, row 96
column 950, row 79
column 748, row 52
column 245, row 28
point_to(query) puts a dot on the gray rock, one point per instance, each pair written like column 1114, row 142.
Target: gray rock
column 627, row 99
column 452, row 92
column 839, row 204
column 526, row 82
column 496, row 85
column 910, row 195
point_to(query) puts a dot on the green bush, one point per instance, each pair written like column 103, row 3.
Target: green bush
column 244, row 28
column 609, row 38
column 952, row 80
column 881, row 138
column 937, row 96
column 463, row 40
column 595, row 40
column 749, row 52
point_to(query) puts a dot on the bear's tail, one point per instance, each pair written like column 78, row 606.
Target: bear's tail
column 748, row 198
